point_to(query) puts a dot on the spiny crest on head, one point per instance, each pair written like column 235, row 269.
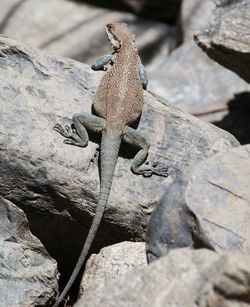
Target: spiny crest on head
column 118, row 34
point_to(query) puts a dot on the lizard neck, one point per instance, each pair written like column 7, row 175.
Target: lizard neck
column 127, row 48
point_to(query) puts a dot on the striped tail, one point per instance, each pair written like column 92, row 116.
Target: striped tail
column 108, row 157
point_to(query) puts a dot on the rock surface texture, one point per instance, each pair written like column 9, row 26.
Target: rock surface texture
column 113, row 261
column 217, row 192
column 178, row 280
column 227, row 39
column 28, row 273
column 57, row 185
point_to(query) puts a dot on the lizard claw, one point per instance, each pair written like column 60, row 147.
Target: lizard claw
column 71, row 142
column 158, row 169
column 150, row 168
column 155, row 168
column 65, row 131
column 72, row 138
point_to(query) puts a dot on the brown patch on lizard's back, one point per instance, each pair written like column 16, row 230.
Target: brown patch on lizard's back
column 119, row 97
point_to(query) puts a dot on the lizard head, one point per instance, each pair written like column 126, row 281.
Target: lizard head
column 119, row 34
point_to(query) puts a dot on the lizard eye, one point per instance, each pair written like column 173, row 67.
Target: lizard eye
column 109, row 26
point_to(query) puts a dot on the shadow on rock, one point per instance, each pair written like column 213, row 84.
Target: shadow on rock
column 237, row 120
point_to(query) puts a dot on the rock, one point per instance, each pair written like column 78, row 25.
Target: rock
column 177, row 280
column 57, row 185
column 8, row 7
column 165, row 10
column 173, row 225
column 112, row 262
column 224, row 190
column 227, row 39
column 74, row 29
column 216, row 195
column 227, row 283
column 189, row 80
column 28, row 273
column 195, row 15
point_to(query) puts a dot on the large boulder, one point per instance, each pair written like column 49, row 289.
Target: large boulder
column 28, row 273
column 57, row 185
column 208, row 207
column 227, row 39
column 183, row 278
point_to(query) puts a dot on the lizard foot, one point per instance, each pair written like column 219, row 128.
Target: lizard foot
column 65, row 131
column 150, row 168
column 72, row 138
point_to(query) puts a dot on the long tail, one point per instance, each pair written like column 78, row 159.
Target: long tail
column 108, row 157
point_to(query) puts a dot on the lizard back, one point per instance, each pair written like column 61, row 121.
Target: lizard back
column 119, row 97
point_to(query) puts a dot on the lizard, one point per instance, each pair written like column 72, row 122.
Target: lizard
column 117, row 104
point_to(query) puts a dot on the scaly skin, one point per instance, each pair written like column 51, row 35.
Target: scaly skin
column 118, row 103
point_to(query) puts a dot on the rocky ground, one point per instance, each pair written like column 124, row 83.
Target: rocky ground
column 200, row 225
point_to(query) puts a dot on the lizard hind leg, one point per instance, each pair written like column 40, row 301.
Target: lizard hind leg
column 139, row 164
column 78, row 135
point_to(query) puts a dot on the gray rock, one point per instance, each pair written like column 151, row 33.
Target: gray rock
column 177, row 280
column 28, row 273
column 228, row 283
column 8, row 8
column 74, row 29
column 111, row 262
column 189, row 80
column 227, row 39
column 173, row 225
column 195, row 15
column 216, row 194
column 221, row 183
column 57, row 185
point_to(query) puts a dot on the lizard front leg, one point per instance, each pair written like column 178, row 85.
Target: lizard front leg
column 78, row 135
column 139, row 164
column 101, row 62
column 143, row 76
